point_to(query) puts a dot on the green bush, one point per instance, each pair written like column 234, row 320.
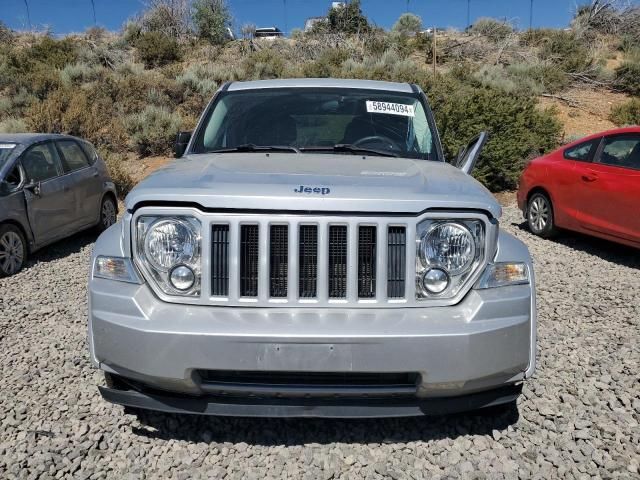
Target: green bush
column 13, row 125
column 347, row 18
column 264, row 64
column 523, row 78
column 53, row 53
column 79, row 73
column 327, row 65
column 156, row 49
column 408, row 24
column 494, row 30
column 627, row 113
column 211, row 19
column 565, row 50
column 118, row 172
column 515, row 125
column 153, row 130
column 628, row 78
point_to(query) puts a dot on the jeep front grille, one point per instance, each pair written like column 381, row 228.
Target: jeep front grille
column 249, row 236
column 305, row 261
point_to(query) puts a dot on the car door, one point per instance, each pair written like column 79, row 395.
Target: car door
column 84, row 181
column 612, row 188
column 565, row 179
column 49, row 209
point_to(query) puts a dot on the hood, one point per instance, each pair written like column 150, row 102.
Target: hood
column 313, row 182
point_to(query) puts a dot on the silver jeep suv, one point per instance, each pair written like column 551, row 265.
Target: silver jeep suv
column 312, row 254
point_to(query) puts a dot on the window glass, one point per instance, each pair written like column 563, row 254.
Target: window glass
column 14, row 178
column 622, row 151
column 581, row 152
column 73, row 158
column 89, row 151
column 5, row 151
column 40, row 162
column 319, row 118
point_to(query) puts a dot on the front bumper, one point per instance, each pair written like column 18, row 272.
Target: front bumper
column 468, row 351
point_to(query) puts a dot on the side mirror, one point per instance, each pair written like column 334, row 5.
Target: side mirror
column 180, row 145
column 468, row 156
column 33, row 187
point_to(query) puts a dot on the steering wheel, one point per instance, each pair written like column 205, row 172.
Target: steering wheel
column 379, row 139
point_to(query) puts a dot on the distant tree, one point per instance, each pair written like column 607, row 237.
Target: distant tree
column 248, row 31
column 346, row 18
column 212, row 20
column 168, row 17
column 408, row 24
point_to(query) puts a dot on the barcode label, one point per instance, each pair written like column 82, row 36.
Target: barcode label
column 390, row 108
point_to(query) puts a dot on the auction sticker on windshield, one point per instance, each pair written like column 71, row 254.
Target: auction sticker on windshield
column 391, row 108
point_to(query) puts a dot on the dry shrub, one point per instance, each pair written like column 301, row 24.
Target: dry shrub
column 627, row 113
column 153, row 130
column 13, row 125
column 118, row 172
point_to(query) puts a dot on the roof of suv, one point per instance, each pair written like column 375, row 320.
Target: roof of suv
column 322, row 83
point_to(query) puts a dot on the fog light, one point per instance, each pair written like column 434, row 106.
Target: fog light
column 182, row 277
column 435, row 281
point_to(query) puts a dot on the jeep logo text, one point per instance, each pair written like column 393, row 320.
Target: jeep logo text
column 318, row 190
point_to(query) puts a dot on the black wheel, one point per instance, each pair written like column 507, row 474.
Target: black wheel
column 540, row 216
column 108, row 213
column 13, row 250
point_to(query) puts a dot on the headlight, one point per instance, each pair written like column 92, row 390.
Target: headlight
column 170, row 242
column 450, row 246
column 168, row 249
column 448, row 253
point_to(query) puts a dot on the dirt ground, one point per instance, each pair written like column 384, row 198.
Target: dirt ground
column 584, row 111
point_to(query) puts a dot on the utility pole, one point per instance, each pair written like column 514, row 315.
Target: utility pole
column 286, row 21
column 468, row 13
column 26, row 4
column 435, row 54
column 530, row 14
column 93, row 6
column 407, row 6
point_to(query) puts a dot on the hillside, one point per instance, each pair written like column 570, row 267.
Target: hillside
column 130, row 92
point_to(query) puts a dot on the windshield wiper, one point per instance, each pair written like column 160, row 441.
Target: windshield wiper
column 347, row 147
column 250, row 147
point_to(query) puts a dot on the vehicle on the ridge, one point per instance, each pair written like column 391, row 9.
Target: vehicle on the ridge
column 51, row 186
column 590, row 186
column 312, row 254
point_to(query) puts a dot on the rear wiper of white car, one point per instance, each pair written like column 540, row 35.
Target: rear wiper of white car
column 250, row 147
column 347, row 147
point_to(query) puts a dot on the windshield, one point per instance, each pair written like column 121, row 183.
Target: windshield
column 5, row 152
column 348, row 121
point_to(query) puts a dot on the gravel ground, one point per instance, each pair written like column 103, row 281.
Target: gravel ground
column 577, row 418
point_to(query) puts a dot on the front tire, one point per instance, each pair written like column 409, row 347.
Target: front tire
column 108, row 213
column 540, row 216
column 13, row 250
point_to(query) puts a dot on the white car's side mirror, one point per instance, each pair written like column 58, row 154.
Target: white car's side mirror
column 468, row 156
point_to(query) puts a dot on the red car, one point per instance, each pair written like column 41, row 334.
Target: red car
column 590, row 186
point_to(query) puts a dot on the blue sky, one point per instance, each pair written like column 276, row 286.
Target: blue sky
column 64, row 16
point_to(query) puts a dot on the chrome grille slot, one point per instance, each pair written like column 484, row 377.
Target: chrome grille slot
column 249, row 260
column 367, row 262
column 396, row 261
column 220, row 260
column 337, row 271
column 278, row 260
column 308, row 261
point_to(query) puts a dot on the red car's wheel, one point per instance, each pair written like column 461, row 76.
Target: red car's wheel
column 540, row 215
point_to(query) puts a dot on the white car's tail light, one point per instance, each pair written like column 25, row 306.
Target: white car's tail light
column 168, row 248
column 449, row 252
